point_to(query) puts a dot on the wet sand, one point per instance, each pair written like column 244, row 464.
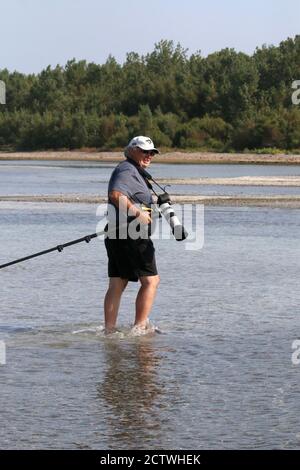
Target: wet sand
column 259, row 201
column 288, row 181
column 169, row 157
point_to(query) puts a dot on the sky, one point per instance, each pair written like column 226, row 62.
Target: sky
column 38, row 33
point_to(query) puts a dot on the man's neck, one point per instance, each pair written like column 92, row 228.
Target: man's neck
column 133, row 162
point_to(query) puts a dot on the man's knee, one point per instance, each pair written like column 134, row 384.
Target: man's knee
column 150, row 281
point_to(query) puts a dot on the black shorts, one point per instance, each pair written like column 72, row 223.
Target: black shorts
column 130, row 259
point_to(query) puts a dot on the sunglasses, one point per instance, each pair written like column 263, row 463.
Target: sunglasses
column 148, row 152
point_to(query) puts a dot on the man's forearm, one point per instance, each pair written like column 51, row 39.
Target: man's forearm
column 123, row 202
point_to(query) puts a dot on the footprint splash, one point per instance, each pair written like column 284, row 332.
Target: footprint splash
column 123, row 332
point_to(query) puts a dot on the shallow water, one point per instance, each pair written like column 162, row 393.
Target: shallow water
column 42, row 178
column 220, row 377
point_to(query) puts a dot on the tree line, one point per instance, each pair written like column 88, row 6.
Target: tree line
column 227, row 101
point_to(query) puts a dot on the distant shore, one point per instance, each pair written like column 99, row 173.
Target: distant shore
column 169, row 157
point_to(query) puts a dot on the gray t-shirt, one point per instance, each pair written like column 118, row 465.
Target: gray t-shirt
column 127, row 180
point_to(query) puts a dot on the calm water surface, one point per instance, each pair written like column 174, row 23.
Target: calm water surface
column 40, row 178
column 220, row 377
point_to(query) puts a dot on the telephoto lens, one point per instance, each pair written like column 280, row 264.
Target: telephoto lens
column 166, row 208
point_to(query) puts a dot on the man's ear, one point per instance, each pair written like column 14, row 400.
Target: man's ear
column 134, row 151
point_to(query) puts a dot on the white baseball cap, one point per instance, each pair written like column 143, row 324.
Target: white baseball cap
column 144, row 143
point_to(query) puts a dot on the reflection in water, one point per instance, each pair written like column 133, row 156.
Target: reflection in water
column 132, row 392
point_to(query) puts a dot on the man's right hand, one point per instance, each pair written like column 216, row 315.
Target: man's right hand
column 144, row 218
column 121, row 201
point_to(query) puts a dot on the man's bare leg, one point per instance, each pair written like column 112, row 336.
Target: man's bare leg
column 145, row 299
column 112, row 302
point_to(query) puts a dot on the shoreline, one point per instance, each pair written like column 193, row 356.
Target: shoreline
column 168, row 157
column 258, row 181
column 292, row 202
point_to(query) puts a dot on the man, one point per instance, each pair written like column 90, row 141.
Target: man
column 131, row 259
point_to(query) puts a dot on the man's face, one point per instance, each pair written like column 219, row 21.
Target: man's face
column 142, row 157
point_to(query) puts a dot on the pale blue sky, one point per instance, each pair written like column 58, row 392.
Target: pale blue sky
column 37, row 33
